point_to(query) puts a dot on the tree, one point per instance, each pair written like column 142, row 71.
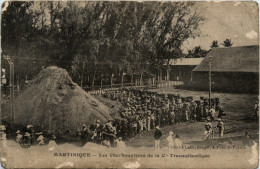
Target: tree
column 134, row 37
column 227, row 43
column 214, row 44
column 170, row 24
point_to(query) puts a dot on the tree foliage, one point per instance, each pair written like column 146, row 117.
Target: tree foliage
column 214, row 44
column 227, row 43
column 197, row 52
column 94, row 40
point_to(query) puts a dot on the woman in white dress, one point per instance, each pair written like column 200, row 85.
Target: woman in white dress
column 170, row 140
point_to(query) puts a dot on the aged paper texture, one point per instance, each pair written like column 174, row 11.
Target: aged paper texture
column 129, row 84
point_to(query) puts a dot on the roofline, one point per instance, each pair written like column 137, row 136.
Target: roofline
column 207, row 56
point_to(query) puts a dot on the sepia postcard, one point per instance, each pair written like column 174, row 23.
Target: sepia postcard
column 129, row 84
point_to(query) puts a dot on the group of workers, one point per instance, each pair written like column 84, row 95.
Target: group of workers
column 144, row 110
column 29, row 136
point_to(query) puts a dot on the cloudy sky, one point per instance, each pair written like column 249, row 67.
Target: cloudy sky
column 237, row 21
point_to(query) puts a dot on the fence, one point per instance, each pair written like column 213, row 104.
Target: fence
column 169, row 83
column 98, row 90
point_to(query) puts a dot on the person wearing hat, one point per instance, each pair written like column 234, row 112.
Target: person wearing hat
column 40, row 139
column 157, row 137
column 212, row 113
column 84, row 135
column 209, row 130
column 220, row 127
column 52, row 144
column 18, row 137
column 120, row 143
column 170, row 140
column 177, row 141
column 97, row 132
column 221, row 112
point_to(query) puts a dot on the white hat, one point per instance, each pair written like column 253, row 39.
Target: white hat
column 157, row 127
column 219, row 119
column 18, row 131
column 170, row 133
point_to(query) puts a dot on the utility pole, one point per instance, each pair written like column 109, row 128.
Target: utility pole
column 123, row 79
column 11, row 87
column 210, row 81
column 111, row 82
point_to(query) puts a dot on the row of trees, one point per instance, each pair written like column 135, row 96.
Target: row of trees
column 226, row 43
column 97, row 41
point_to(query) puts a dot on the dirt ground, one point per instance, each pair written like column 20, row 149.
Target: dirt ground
column 94, row 156
column 237, row 106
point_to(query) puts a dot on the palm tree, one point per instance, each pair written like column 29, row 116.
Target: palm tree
column 214, row 44
column 227, row 43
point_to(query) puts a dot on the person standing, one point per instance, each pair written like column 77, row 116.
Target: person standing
column 52, row 144
column 177, row 142
column 209, row 130
column 152, row 121
column 40, row 139
column 220, row 127
column 18, row 137
column 221, row 112
column 141, row 125
column 170, row 140
column 120, row 143
column 144, row 123
column 148, row 121
column 212, row 113
column 157, row 137
column 84, row 135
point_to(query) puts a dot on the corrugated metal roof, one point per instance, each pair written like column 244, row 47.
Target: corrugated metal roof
column 185, row 61
column 231, row 59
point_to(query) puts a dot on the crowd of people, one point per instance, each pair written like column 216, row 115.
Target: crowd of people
column 144, row 110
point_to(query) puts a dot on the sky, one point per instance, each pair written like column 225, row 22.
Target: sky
column 237, row 21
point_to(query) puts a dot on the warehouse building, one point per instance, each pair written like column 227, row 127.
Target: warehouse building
column 234, row 69
column 181, row 68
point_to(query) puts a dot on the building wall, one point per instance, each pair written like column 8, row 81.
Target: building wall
column 241, row 82
column 183, row 72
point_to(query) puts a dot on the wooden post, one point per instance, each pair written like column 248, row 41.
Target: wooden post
column 11, row 87
column 209, row 82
